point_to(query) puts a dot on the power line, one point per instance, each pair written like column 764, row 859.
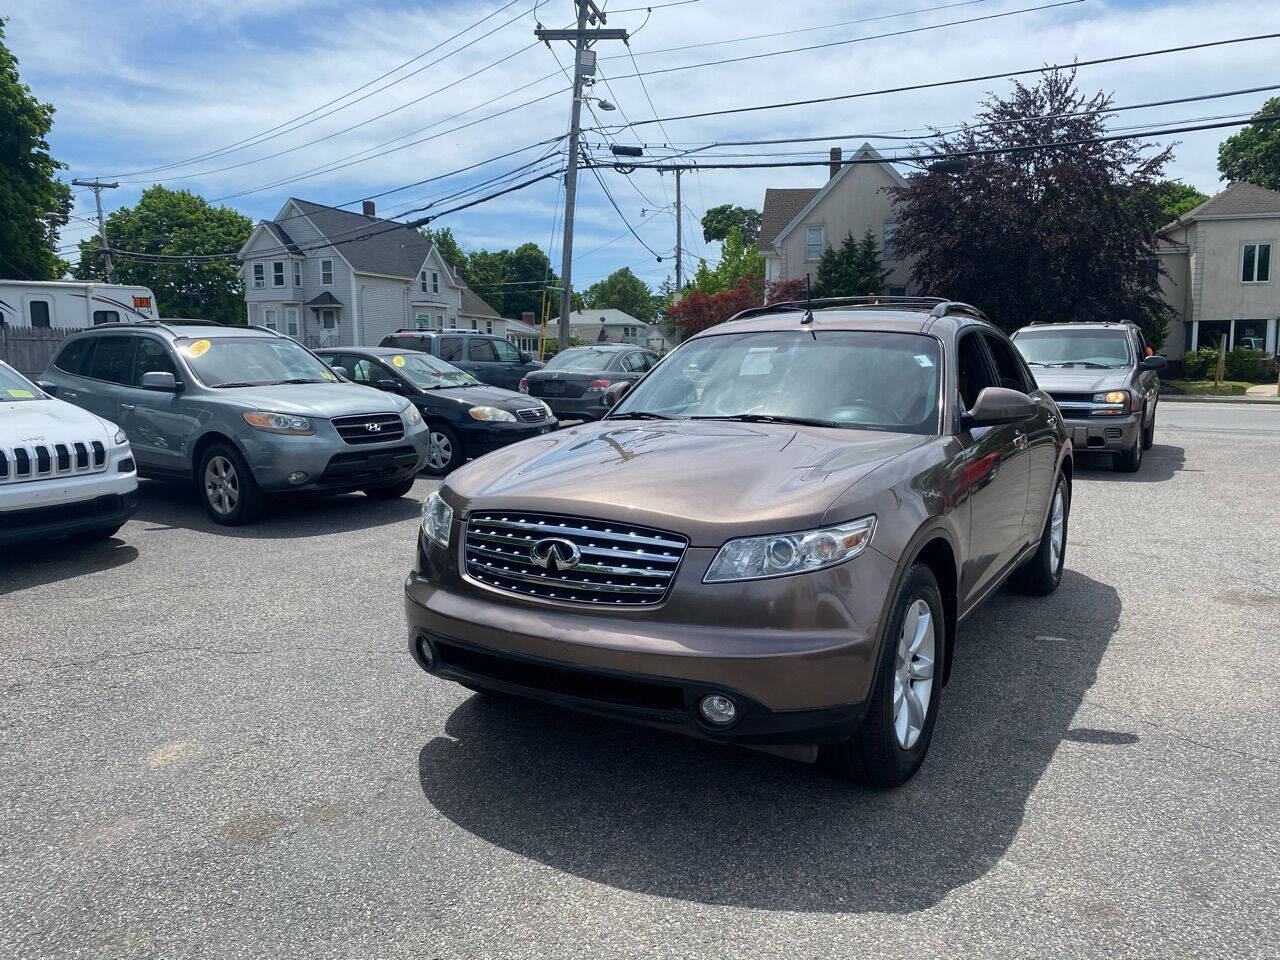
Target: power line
column 271, row 133
column 599, row 179
column 961, row 80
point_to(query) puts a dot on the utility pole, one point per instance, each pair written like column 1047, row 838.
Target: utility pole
column 679, row 258
column 584, row 65
column 97, row 186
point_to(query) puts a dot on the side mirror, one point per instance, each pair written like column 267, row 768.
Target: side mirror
column 342, row 372
column 161, row 380
column 1154, row 362
column 524, row 357
column 50, row 388
column 997, row 405
column 615, row 393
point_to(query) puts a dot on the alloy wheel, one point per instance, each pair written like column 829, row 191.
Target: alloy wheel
column 913, row 673
column 1057, row 530
column 440, row 451
column 221, row 485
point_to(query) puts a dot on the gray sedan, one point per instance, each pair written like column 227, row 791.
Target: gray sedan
column 573, row 382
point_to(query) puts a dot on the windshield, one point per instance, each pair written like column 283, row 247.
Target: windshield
column 14, row 386
column 581, row 358
column 838, row 378
column 252, row 361
column 1068, row 348
column 428, row 372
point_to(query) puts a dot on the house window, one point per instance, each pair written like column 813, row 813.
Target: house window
column 897, row 291
column 326, row 272
column 259, row 275
column 452, row 323
column 815, row 241
column 435, row 282
column 890, row 246
column 297, row 273
column 277, row 273
column 1255, row 264
column 269, row 317
column 291, row 321
column 488, row 326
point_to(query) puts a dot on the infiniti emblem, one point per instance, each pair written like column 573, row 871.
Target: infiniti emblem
column 373, row 427
column 555, row 553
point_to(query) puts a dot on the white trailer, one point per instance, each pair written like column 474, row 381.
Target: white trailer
column 58, row 303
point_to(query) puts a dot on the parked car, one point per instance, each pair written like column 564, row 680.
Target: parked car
column 63, row 471
column 1103, row 378
column 780, row 555
column 574, row 381
column 244, row 411
column 465, row 417
column 488, row 358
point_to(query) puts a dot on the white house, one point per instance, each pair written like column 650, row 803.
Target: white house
column 614, row 326
column 330, row 277
column 798, row 225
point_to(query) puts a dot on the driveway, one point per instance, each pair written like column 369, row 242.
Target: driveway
column 215, row 745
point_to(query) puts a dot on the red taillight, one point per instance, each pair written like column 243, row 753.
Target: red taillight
column 524, row 384
column 598, row 384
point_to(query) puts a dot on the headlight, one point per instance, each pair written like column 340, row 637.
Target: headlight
column 411, row 416
column 437, row 519
column 280, row 423
column 120, row 439
column 780, row 554
column 547, row 407
column 1117, row 399
column 493, row 414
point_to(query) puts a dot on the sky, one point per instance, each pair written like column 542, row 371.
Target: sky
column 154, row 91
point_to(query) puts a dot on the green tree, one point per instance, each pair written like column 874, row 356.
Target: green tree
column 1253, row 154
column 622, row 290
column 176, row 223
column 449, row 248
column 718, row 221
column 853, row 270
column 33, row 205
column 1176, row 198
column 739, row 259
column 530, row 271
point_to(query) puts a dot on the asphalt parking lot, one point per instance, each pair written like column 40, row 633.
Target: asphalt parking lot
column 215, row 745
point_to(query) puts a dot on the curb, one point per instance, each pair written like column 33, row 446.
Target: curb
column 1257, row 401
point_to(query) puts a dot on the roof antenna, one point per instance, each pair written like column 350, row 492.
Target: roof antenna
column 808, row 296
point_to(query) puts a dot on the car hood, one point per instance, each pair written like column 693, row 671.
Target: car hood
column 323, row 400
column 484, row 395
column 1079, row 379
column 23, row 422
column 708, row 480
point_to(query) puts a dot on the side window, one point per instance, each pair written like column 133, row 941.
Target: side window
column 39, row 313
column 450, row 348
column 105, row 316
column 633, row 362
column 151, row 356
column 506, row 352
column 647, row 360
column 71, row 357
column 481, row 351
column 1142, row 349
column 972, row 371
column 1008, row 369
column 113, row 360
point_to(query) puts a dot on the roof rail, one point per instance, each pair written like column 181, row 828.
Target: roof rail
column 254, row 326
column 831, row 303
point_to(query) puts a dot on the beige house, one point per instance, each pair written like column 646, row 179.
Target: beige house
column 1219, row 265
column 797, row 225
column 613, row 326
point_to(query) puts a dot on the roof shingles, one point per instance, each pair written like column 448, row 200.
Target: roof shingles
column 781, row 206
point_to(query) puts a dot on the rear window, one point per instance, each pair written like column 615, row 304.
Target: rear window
column 581, row 358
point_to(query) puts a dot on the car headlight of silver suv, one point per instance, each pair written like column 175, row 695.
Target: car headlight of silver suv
column 280, row 423
column 782, row 554
column 437, row 519
column 412, row 416
column 492, row 414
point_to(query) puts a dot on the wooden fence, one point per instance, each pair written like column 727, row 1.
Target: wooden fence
column 29, row 349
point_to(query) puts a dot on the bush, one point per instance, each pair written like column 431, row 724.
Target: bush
column 1251, row 365
column 1200, row 364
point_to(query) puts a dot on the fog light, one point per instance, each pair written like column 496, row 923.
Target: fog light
column 297, row 477
column 717, row 709
column 424, row 653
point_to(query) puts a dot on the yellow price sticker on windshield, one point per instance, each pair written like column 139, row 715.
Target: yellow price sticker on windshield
column 23, row 394
column 198, row 349
column 398, row 361
column 330, row 376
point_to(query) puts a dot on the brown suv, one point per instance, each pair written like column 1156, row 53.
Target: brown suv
column 769, row 540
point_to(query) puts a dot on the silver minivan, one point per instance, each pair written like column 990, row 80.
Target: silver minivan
column 244, row 411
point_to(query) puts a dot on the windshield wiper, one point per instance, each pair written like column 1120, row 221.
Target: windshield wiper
column 303, row 380
column 230, row 384
column 772, row 418
column 1036, row 363
column 645, row 415
column 1087, row 364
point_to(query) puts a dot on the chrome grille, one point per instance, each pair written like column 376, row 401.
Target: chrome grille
column 370, row 428
column 619, row 564
column 532, row 414
column 48, row 461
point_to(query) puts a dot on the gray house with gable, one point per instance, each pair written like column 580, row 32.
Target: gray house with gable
column 332, row 278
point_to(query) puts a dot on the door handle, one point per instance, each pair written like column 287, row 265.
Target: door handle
column 128, row 406
column 1019, row 440
column 1053, row 421
column 70, row 394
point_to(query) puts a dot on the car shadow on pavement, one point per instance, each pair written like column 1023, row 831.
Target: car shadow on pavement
column 673, row 816
column 27, row 565
column 162, row 504
column 1159, row 463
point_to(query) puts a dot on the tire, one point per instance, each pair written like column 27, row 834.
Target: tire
column 101, row 533
column 227, row 488
column 888, row 749
column 1130, row 461
column 1042, row 572
column 445, row 450
column 1149, row 432
column 392, row 491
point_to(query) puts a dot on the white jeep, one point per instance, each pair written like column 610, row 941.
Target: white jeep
column 63, row 471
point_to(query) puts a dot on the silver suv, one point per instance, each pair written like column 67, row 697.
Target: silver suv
column 244, row 411
column 1103, row 378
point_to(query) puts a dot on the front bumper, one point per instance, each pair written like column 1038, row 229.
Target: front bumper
column 64, row 519
column 331, row 464
column 796, row 654
column 1104, row 433
column 479, row 437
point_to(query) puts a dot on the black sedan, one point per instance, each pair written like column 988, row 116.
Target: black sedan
column 574, row 381
column 467, row 418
